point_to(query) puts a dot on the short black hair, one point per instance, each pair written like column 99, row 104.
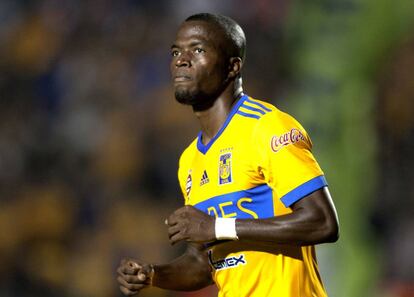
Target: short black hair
column 230, row 28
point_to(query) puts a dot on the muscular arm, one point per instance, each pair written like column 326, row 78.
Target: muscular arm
column 313, row 220
column 189, row 272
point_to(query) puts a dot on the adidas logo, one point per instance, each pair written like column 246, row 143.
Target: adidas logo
column 204, row 178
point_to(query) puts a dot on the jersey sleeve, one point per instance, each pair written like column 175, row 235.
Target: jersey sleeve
column 285, row 159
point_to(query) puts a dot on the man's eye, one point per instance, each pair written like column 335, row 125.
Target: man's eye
column 199, row 50
column 174, row 53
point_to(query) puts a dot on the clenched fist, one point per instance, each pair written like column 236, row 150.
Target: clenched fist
column 133, row 276
column 190, row 224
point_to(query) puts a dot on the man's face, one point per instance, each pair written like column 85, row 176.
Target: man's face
column 198, row 67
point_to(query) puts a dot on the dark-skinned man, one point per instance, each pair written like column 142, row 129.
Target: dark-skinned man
column 256, row 201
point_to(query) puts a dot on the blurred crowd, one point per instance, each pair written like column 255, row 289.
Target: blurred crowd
column 393, row 212
column 90, row 135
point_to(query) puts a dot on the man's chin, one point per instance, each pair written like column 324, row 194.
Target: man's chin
column 185, row 97
column 199, row 101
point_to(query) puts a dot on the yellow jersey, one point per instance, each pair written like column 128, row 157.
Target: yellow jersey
column 258, row 164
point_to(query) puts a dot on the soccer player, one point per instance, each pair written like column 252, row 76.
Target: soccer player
column 256, row 200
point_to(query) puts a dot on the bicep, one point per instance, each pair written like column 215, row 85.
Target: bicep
column 319, row 207
column 319, row 201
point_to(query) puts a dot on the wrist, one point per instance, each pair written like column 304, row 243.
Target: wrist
column 225, row 228
column 150, row 276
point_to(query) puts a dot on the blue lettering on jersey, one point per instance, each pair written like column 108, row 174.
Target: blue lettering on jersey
column 225, row 263
column 254, row 203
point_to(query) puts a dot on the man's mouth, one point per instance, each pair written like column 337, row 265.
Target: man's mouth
column 182, row 78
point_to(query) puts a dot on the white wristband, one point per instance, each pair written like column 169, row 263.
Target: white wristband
column 226, row 228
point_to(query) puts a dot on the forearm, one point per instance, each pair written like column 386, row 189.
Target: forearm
column 189, row 272
column 287, row 229
column 312, row 221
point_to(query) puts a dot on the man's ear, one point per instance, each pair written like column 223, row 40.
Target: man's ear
column 235, row 67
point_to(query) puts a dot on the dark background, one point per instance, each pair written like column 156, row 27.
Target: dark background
column 90, row 133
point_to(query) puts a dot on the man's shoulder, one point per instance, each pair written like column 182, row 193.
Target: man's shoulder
column 273, row 120
column 261, row 104
column 270, row 114
column 189, row 150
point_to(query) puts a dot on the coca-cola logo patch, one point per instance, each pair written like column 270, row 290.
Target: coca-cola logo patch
column 288, row 138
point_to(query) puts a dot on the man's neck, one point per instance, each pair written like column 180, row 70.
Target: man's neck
column 212, row 119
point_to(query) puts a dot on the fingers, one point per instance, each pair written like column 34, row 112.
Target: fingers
column 129, row 266
column 127, row 292
column 177, row 233
column 177, row 237
column 135, row 278
column 172, row 220
column 132, row 277
column 178, row 215
column 132, row 286
column 173, row 230
column 183, row 224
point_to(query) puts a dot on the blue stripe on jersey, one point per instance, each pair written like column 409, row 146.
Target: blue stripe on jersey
column 253, row 109
column 249, row 115
column 258, row 104
column 304, row 190
column 204, row 148
column 256, row 202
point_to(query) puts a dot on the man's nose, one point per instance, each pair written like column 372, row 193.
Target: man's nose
column 184, row 60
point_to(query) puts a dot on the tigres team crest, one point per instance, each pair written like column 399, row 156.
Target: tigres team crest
column 225, row 176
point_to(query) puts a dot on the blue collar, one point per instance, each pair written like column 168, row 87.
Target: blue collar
column 204, row 148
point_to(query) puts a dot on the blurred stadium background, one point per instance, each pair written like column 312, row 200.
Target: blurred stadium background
column 90, row 133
